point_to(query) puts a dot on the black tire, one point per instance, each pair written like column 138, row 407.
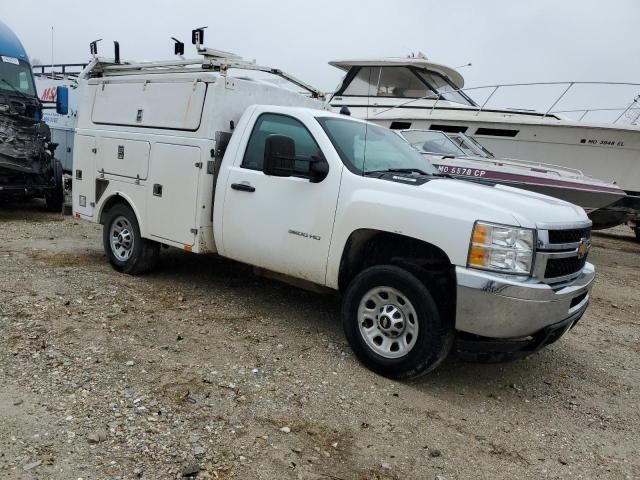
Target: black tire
column 143, row 254
column 55, row 198
column 637, row 232
column 434, row 337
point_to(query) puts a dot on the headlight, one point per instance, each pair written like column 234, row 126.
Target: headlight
column 501, row 248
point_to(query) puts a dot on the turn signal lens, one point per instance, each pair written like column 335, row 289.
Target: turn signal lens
column 478, row 256
column 481, row 234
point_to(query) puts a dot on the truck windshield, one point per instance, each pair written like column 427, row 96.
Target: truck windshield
column 367, row 148
column 15, row 77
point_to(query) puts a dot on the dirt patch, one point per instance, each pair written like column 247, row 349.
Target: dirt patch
column 57, row 259
column 201, row 365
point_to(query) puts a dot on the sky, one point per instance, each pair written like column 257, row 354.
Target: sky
column 505, row 40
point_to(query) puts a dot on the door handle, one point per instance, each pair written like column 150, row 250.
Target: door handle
column 157, row 190
column 243, row 187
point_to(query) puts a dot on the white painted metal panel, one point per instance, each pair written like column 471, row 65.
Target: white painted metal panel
column 172, row 192
column 125, row 158
column 170, row 105
column 285, row 223
column 84, row 179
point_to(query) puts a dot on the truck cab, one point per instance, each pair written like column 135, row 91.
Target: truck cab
column 426, row 265
column 27, row 163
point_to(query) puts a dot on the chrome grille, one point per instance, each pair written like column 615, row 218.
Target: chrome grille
column 561, row 267
column 573, row 235
column 558, row 256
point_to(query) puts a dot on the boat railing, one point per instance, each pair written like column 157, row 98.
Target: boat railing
column 546, row 167
column 632, row 105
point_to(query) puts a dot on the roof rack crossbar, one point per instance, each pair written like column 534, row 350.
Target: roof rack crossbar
column 213, row 60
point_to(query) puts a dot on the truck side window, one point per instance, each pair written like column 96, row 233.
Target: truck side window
column 270, row 123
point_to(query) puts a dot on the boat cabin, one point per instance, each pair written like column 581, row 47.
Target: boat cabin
column 400, row 79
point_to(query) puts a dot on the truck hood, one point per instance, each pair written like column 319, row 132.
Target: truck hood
column 493, row 203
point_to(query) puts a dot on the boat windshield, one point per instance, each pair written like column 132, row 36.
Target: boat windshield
column 402, row 82
column 445, row 89
column 15, row 77
column 366, row 148
column 429, row 141
column 475, row 142
column 470, row 145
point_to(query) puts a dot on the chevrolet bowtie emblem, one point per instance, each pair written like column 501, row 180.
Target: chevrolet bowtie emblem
column 583, row 248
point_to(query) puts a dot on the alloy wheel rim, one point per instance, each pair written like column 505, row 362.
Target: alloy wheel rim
column 121, row 238
column 388, row 322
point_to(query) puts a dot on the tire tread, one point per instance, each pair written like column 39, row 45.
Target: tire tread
column 435, row 348
column 146, row 252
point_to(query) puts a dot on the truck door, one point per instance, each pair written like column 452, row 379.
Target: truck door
column 283, row 224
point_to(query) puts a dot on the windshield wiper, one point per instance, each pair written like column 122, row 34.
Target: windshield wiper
column 400, row 170
column 15, row 89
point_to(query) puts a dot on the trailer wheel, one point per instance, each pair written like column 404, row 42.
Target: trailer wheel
column 55, row 198
column 393, row 324
column 128, row 252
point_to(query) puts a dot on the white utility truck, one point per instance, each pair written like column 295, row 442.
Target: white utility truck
column 183, row 154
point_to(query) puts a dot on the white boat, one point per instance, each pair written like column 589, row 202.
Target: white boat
column 404, row 93
column 464, row 158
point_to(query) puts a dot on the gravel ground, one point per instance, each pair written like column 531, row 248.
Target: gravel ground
column 201, row 369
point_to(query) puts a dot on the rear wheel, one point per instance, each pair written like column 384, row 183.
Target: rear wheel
column 393, row 324
column 128, row 252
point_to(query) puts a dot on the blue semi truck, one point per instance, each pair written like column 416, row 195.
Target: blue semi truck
column 28, row 167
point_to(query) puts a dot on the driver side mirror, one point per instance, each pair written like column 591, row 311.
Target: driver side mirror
column 280, row 160
column 279, row 156
column 62, row 100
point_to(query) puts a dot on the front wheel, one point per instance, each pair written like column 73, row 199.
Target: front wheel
column 393, row 323
column 128, row 252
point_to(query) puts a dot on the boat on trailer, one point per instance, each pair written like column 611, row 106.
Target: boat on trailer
column 464, row 158
column 415, row 93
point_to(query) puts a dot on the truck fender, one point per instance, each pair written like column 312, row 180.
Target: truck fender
column 120, row 198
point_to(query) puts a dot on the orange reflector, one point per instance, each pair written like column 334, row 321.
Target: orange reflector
column 480, row 234
column 478, row 256
column 187, row 248
column 77, row 215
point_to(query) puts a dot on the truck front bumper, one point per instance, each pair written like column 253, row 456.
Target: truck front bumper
column 493, row 306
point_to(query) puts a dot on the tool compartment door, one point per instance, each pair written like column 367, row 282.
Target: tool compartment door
column 84, row 177
column 150, row 104
column 125, row 158
column 172, row 192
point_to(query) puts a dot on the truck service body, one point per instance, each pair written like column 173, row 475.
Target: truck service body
column 191, row 157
